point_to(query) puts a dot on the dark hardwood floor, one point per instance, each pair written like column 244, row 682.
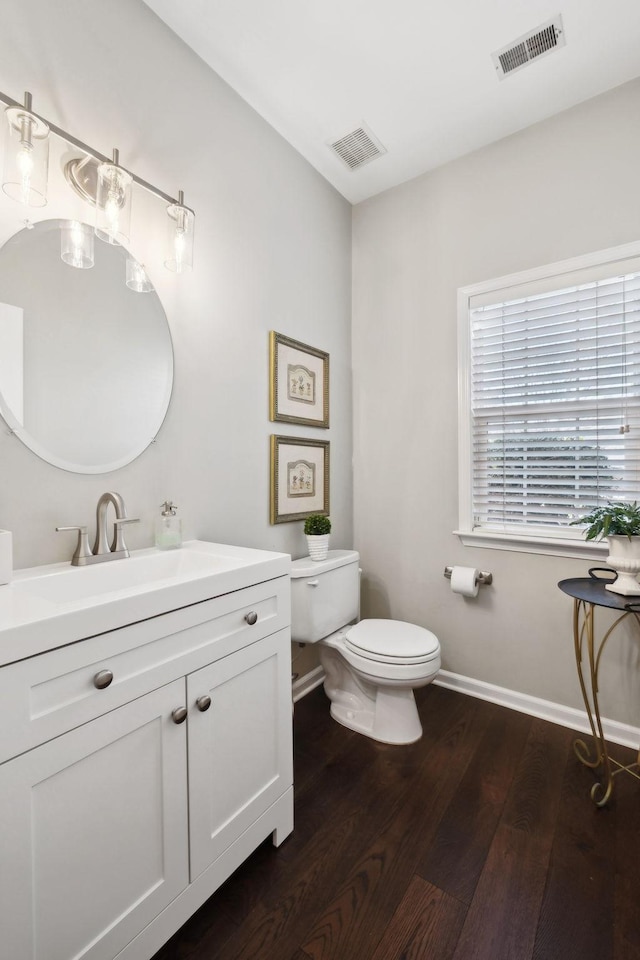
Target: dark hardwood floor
column 479, row 841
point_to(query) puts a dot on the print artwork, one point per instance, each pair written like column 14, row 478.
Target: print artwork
column 301, row 384
column 301, row 479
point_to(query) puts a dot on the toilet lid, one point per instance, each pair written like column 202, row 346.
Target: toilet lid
column 392, row 641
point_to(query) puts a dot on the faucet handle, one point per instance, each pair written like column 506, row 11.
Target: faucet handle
column 83, row 551
column 118, row 540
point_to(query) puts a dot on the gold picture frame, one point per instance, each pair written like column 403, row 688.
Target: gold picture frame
column 299, row 478
column 298, row 382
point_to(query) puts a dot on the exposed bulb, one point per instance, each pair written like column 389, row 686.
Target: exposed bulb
column 24, row 159
column 24, row 163
column 112, row 213
column 180, row 239
column 178, row 249
column 113, row 202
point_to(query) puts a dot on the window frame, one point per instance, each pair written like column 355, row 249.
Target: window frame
column 570, row 543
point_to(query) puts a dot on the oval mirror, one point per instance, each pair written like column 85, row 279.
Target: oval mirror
column 86, row 364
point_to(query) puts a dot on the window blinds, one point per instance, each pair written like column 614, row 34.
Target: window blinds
column 555, row 397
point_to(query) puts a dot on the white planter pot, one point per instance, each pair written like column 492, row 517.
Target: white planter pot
column 319, row 547
column 624, row 558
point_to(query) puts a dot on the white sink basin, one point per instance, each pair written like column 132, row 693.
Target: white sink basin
column 50, row 606
column 143, row 569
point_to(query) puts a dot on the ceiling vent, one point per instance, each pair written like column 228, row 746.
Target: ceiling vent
column 358, row 147
column 544, row 39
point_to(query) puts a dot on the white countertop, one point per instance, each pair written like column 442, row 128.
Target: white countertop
column 50, row 606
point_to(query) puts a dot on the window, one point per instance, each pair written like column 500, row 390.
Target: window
column 550, row 398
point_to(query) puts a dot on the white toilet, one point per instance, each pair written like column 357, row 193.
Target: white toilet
column 371, row 667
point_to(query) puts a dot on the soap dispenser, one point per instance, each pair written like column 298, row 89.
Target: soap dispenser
column 168, row 527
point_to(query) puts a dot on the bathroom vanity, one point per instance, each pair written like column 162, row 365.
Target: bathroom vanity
column 145, row 743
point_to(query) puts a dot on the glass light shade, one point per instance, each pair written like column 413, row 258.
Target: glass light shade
column 137, row 278
column 181, row 221
column 113, row 203
column 76, row 244
column 26, row 157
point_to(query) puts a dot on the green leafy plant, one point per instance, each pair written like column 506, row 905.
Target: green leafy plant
column 613, row 519
column 316, row 525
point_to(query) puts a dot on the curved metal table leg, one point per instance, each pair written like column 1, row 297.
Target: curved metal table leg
column 584, row 634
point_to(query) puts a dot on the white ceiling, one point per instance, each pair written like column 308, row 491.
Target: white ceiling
column 418, row 73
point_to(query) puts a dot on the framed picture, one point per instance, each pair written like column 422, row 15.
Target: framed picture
column 299, row 478
column 299, row 382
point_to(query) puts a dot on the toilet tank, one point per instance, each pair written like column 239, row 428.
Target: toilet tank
column 325, row 595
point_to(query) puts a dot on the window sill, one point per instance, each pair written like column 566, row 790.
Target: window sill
column 526, row 543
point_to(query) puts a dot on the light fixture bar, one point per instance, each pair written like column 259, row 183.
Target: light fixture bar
column 10, row 102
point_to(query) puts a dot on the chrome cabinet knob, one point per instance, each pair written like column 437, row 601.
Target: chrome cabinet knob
column 251, row 618
column 102, row 679
column 203, row 703
column 179, row 715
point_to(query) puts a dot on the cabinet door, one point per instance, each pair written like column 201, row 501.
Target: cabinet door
column 93, row 833
column 240, row 748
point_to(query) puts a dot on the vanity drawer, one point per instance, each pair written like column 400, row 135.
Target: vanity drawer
column 44, row 696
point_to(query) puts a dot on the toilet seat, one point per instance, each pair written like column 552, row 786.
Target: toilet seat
column 392, row 641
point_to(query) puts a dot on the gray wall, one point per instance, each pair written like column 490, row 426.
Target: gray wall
column 273, row 251
column 564, row 187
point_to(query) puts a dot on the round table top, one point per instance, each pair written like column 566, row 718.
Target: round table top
column 593, row 590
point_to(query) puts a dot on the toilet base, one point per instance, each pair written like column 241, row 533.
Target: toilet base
column 384, row 711
column 391, row 718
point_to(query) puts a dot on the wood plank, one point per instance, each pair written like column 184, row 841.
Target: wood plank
column 626, row 930
column 513, row 878
column 200, row 936
column 534, row 797
column 577, row 914
column 456, row 857
column 426, row 924
column 502, row 918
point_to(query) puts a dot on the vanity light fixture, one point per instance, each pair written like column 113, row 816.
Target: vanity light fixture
column 180, row 240
column 137, row 278
column 113, row 202
column 76, row 244
column 26, row 158
column 96, row 178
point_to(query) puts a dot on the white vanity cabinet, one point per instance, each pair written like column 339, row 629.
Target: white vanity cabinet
column 94, row 833
column 124, row 806
column 240, row 753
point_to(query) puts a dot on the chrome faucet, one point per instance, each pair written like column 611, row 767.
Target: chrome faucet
column 101, row 549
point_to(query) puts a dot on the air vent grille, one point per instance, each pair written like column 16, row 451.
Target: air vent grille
column 544, row 39
column 357, row 148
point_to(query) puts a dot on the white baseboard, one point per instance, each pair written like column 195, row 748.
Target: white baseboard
column 621, row 733
column 308, row 682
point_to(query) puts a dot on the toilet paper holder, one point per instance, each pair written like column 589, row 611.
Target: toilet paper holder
column 483, row 577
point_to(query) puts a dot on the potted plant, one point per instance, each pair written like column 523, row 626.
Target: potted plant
column 620, row 523
column 317, row 528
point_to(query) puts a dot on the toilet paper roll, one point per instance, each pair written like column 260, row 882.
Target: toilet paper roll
column 464, row 580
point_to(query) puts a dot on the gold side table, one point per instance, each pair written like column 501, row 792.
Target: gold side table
column 588, row 593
